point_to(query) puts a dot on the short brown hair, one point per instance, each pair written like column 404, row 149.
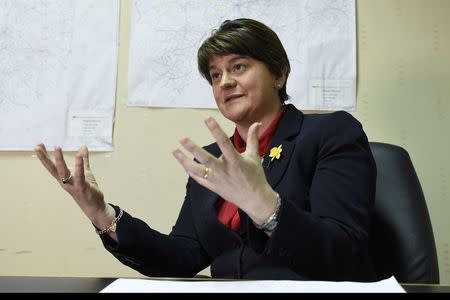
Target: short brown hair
column 250, row 38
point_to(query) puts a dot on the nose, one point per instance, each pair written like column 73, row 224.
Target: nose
column 227, row 81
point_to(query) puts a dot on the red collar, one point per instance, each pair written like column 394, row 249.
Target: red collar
column 264, row 140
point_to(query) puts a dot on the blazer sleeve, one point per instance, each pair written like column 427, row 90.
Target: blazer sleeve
column 152, row 253
column 331, row 238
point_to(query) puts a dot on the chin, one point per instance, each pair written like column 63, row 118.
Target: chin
column 235, row 114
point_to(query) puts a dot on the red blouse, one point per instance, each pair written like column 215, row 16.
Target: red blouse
column 227, row 212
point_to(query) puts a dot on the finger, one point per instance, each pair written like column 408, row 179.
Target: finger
column 79, row 169
column 41, row 153
column 85, row 154
column 252, row 139
column 203, row 156
column 222, row 139
column 61, row 167
column 41, row 147
column 191, row 167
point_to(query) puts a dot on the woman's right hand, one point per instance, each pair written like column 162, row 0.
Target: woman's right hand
column 81, row 186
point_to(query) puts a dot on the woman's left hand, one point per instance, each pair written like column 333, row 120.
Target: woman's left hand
column 237, row 177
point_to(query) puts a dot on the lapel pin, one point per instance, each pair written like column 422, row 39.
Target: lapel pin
column 275, row 152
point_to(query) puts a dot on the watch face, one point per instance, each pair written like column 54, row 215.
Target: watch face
column 271, row 225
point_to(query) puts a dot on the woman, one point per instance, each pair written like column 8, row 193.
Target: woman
column 287, row 197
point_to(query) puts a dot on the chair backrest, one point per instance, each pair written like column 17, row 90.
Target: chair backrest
column 401, row 238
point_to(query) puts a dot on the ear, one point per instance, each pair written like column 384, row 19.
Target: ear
column 281, row 79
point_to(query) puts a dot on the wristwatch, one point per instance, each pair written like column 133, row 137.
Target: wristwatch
column 271, row 223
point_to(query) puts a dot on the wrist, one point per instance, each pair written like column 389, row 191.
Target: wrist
column 113, row 226
column 271, row 222
column 104, row 217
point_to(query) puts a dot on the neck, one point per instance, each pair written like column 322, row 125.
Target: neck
column 266, row 119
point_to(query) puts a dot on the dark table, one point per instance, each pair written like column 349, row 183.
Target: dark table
column 31, row 284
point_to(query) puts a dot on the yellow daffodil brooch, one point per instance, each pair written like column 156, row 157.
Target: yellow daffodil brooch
column 275, row 152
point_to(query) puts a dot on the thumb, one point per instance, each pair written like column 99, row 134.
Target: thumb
column 252, row 139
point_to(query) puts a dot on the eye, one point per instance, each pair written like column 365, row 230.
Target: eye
column 215, row 76
column 239, row 68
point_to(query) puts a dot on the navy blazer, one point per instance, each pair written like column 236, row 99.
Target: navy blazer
column 326, row 178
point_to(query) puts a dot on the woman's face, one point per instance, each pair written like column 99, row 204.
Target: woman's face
column 244, row 88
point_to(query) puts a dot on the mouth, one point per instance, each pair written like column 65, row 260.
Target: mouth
column 233, row 97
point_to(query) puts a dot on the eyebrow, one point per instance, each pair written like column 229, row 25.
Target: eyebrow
column 232, row 60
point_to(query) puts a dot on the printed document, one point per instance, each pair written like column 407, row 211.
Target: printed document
column 389, row 285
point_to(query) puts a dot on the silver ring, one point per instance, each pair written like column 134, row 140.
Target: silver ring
column 66, row 179
column 206, row 173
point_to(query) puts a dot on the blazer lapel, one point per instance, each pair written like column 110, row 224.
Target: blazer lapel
column 274, row 168
column 289, row 127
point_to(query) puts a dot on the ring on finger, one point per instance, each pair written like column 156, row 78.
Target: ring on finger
column 66, row 179
column 206, row 174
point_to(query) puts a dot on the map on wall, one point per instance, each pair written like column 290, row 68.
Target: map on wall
column 319, row 37
column 58, row 63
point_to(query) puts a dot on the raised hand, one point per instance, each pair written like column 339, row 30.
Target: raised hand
column 80, row 184
column 236, row 177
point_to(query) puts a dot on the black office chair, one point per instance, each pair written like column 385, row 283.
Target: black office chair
column 401, row 239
